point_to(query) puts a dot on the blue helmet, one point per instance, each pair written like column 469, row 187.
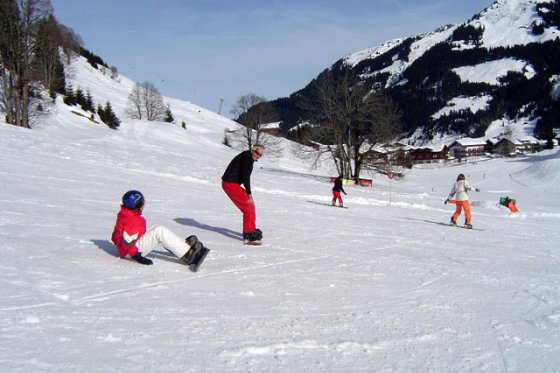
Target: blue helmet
column 133, row 200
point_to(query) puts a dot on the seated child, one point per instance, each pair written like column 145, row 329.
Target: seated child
column 132, row 239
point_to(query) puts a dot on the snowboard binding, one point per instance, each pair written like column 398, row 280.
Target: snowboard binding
column 196, row 253
column 254, row 237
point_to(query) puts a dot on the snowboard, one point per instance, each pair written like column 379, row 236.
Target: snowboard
column 252, row 243
column 200, row 256
column 464, row 227
column 340, row 207
column 327, row 204
column 196, row 254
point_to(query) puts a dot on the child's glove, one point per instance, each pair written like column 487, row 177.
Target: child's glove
column 345, row 193
column 446, row 201
column 142, row 260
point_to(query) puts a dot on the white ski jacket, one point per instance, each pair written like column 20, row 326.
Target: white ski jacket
column 460, row 190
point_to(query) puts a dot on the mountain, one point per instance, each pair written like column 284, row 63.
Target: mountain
column 502, row 65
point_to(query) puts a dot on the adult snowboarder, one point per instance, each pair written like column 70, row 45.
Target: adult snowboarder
column 238, row 173
column 337, row 188
column 131, row 237
column 460, row 197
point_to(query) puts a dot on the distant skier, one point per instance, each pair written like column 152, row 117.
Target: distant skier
column 238, row 173
column 131, row 238
column 337, row 188
column 459, row 196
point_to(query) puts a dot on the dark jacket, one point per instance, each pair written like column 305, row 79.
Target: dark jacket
column 239, row 170
column 338, row 186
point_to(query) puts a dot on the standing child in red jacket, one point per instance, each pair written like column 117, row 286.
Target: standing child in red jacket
column 132, row 239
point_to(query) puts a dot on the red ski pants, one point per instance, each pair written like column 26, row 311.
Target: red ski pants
column 336, row 197
column 244, row 202
column 459, row 205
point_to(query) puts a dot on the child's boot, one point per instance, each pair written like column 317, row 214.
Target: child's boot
column 191, row 254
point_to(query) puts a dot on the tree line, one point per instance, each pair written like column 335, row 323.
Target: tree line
column 33, row 49
column 30, row 60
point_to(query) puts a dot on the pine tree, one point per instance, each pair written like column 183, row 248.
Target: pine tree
column 80, row 98
column 89, row 106
column 57, row 86
column 111, row 120
column 168, row 115
column 101, row 113
column 70, row 98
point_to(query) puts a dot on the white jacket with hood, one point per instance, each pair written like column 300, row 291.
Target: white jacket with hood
column 460, row 190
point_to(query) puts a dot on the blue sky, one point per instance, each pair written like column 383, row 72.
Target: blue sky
column 206, row 50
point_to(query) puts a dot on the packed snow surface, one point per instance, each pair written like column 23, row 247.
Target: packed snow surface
column 383, row 286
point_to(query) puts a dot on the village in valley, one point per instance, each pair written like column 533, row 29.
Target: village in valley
column 461, row 149
column 400, row 153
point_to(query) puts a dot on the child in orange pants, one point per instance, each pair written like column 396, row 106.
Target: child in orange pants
column 459, row 193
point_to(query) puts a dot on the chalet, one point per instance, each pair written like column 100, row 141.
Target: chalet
column 468, row 147
column 376, row 155
column 387, row 152
column 507, row 147
column 429, row 154
column 511, row 147
column 491, row 144
column 271, row 128
column 529, row 144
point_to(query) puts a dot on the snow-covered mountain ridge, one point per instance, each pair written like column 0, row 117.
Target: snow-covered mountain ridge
column 508, row 53
column 504, row 23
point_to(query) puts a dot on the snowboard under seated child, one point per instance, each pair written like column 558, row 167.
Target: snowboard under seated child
column 132, row 239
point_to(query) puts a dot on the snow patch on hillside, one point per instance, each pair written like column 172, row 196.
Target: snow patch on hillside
column 490, row 72
column 473, row 104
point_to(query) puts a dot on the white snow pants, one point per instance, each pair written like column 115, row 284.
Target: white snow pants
column 161, row 235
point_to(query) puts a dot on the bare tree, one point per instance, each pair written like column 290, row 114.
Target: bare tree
column 48, row 68
column 254, row 113
column 70, row 42
column 145, row 101
column 153, row 102
column 134, row 110
column 18, row 35
column 349, row 119
column 114, row 72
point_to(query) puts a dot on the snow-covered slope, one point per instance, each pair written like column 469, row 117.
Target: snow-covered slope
column 517, row 17
column 382, row 286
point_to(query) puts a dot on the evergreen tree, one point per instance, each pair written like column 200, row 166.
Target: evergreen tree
column 101, row 113
column 168, row 117
column 80, row 97
column 111, row 120
column 58, row 84
column 70, row 98
column 89, row 106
